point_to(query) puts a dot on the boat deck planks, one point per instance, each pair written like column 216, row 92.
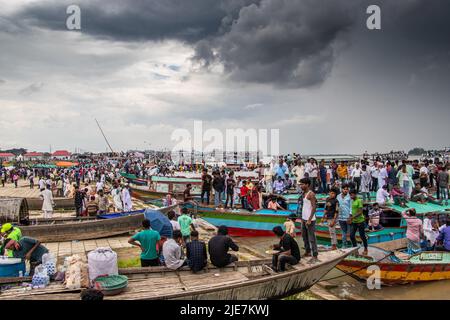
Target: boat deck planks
column 244, row 279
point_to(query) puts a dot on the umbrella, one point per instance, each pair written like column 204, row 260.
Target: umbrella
column 159, row 222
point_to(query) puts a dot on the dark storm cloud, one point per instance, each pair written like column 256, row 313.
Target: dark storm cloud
column 135, row 20
column 288, row 43
column 291, row 43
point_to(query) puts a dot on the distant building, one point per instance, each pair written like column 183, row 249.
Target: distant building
column 6, row 156
column 31, row 156
column 61, row 155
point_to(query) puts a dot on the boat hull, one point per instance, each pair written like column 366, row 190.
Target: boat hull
column 243, row 280
column 60, row 203
column 83, row 229
column 401, row 273
column 243, row 223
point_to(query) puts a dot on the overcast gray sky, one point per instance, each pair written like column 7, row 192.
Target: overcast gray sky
column 310, row 68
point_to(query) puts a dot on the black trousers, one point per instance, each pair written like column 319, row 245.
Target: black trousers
column 149, row 263
column 362, row 233
column 374, row 184
column 357, row 181
column 208, row 194
column 279, row 261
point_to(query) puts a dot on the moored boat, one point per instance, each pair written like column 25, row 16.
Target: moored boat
column 242, row 223
column 160, row 186
column 240, row 281
column 15, row 210
column 396, row 267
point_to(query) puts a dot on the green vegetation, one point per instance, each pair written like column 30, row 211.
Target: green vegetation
column 129, row 263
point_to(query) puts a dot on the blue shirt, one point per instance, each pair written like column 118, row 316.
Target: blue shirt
column 280, row 170
column 444, row 236
column 345, row 206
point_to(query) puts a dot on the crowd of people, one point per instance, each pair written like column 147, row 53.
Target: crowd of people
column 350, row 187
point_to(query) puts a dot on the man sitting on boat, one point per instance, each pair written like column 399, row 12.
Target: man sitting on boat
column 218, row 247
column 289, row 252
column 279, row 186
column 421, row 195
column 398, row 196
column 443, row 240
column 28, row 249
column 196, row 253
column 172, row 252
column 374, row 217
column 383, row 195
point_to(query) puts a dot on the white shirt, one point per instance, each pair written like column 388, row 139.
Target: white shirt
column 172, row 254
column 175, row 225
column 307, row 208
column 299, row 172
column 382, row 177
column 47, row 205
column 374, row 172
column 382, row 196
column 99, row 186
column 428, row 231
column 356, row 173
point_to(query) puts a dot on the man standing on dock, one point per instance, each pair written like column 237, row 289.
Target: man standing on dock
column 309, row 220
column 48, row 204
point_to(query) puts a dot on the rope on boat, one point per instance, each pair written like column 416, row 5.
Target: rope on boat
column 362, row 268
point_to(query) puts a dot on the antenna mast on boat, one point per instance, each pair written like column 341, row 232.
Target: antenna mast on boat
column 103, row 134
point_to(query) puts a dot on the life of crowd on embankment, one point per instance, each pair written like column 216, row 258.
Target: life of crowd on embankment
column 244, row 227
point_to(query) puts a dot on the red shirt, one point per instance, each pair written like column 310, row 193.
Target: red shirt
column 244, row 191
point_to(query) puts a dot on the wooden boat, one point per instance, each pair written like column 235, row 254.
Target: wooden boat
column 397, row 267
column 15, row 210
column 86, row 228
column 242, row 223
column 132, row 178
column 69, row 229
column 161, row 186
column 60, row 203
column 244, row 280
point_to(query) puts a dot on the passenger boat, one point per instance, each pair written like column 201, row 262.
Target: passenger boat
column 243, row 280
column 396, row 267
column 161, row 186
column 242, row 223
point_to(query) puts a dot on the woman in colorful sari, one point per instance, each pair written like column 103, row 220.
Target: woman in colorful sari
column 254, row 198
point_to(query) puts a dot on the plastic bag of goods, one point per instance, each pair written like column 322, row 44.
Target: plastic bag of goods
column 40, row 278
column 102, row 262
column 76, row 275
column 49, row 262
